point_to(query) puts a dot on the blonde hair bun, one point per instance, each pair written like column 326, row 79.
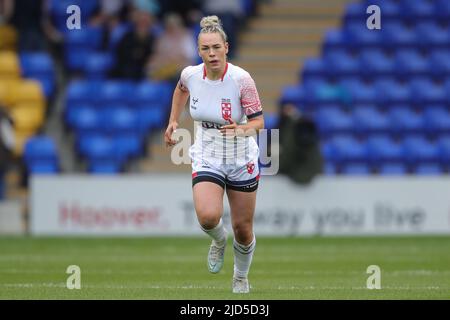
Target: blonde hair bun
column 210, row 22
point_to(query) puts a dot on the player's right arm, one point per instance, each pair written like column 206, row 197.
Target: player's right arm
column 179, row 99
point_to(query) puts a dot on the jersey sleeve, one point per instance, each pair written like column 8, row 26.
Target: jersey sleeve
column 250, row 101
column 183, row 82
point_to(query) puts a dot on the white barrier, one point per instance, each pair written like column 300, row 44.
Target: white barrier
column 162, row 205
column 11, row 221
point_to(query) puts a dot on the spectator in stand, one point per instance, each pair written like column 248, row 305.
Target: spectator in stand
column 231, row 14
column 175, row 50
column 33, row 24
column 189, row 10
column 135, row 48
column 6, row 146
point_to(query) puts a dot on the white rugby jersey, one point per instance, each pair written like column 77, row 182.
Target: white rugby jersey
column 214, row 102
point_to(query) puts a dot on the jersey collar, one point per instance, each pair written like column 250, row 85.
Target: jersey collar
column 224, row 72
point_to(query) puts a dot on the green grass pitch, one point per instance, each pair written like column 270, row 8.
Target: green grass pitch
column 175, row 268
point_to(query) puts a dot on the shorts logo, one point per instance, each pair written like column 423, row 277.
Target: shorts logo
column 250, row 167
column 226, row 109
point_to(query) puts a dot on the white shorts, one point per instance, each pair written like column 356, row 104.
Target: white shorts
column 240, row 175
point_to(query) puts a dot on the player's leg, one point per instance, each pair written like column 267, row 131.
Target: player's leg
column 208, row 203
column 242, row 205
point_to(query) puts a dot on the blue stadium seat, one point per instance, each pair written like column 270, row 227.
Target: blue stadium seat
column 314, row 67
column 390, row 92
column 428, row 169
column 433, row 35
column 392, row 169
column 382, row 149
column 440, row 63
column 129, row 145
column 119, row 118
column 411, row 62
column 39, row 66
column 444, row 150
column 98, row 65
column 294, row 94
column 437, row 120
column 369, row 120
column 84, row 119
column 356, row 169
column 406, row 121
column 115, row 92
column 81, row 92
column 346, row 149
column 396, row 35
column 359, row 36
column 41, row 155
column 360, row 91
column 341, row 62
column 442, row 10
column 97, row 147
column 331, row 121
column 329, row 169
column 419, row 150
column 355, row 11
column 417, row 9
column 425, row 91
column 374, row 62
column 150, row 117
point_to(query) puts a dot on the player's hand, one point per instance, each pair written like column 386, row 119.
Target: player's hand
column 171, row 128
column 229, row 129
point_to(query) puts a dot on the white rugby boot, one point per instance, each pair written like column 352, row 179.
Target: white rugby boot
column 216, row 256
column 240, row 285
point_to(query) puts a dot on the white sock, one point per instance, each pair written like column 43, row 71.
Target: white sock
column 218, row 233
column 243, row 258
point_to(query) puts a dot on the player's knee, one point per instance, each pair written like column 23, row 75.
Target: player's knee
column 243, row 233
column 208, row 219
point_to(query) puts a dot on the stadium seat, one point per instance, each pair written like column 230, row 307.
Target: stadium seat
column 437, row 120
column 369, row 120
column 28, row 91
column 293, row 94
column 410, row 62
column 115, row 92
column 9, row 65
column 346, row 149
column 341, row 62
column 39, row 66
column 360, row 91
column 129, row 145
column 406, row 121
column 84, row 119
column 359, row 36
column 396, row 35
column 334, row 38
column 417, row 9
column 391, row 92
column 392, row 169
column 97, row 65
column 41, row 155
column 356, row 169
column 81, row 92
column 440, row 63
column 425, row 91
column 119, row 118
column 382, row 149
column 418, row 150
column 374, row 62
column 150, row 117
column 433, row 35
column 444, row 150
column 331, row 121
column 428, row 169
